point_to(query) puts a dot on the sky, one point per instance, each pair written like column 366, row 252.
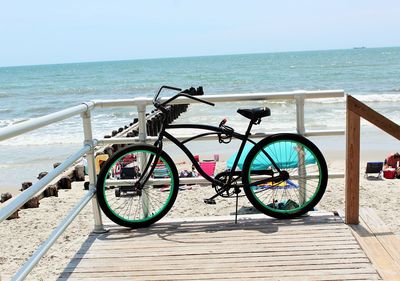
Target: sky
column 48, row 31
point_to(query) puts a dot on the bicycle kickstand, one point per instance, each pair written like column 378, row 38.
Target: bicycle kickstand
column 237, row 191
column 237, row 203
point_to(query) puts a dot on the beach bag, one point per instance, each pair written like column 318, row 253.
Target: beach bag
column 389, row 173
column 208, row 167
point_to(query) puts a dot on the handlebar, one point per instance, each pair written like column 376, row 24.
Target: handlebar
column 164, row 87
column 187, row 93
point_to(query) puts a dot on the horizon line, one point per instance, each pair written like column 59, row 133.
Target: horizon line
column 196, row 56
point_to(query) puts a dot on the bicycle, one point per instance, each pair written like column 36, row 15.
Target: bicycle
column 283, row 175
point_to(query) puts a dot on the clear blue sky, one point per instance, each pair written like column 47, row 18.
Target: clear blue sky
column 44, row 31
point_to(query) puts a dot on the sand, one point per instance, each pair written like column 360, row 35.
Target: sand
column 20, row 237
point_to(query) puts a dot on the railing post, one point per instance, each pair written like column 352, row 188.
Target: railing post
column 352, row 173
column 300, row 127
column 142, row 122
column 142, row 156
column 87, row 131
column 302, row 175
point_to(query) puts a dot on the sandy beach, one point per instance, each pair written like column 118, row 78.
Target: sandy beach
column 20, row 237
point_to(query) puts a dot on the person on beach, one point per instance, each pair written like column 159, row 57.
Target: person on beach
column 393, row 161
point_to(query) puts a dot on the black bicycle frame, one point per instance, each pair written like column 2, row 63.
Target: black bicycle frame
column 212, row 131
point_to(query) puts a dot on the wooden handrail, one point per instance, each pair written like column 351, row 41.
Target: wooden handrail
column 354, row 110
column 373, row 117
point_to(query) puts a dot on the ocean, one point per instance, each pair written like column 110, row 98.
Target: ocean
column 371, row 75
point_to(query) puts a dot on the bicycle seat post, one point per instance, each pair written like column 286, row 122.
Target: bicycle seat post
column 241, row 148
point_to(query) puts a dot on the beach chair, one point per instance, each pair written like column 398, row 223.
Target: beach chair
column 374, row 168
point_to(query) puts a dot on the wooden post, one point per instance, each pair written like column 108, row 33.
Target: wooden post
column 32, row 203
column 354, row 110
column 51, row 190
column 25, row 185
column 4, row 197
column 42, row 175
column 64, row 183
column 352, row 177
column 79, row 173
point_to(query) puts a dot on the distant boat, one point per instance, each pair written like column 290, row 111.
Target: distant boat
column 357, row 48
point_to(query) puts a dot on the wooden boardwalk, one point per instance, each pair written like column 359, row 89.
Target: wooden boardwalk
column 315, row 247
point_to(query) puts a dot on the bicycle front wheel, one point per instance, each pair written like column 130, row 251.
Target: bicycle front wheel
column 294, row 156
column 137, row 186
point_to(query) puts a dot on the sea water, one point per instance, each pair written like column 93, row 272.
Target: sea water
column 26, row 92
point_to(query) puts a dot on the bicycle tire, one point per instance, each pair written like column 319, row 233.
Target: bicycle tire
column 127, row 205
column 305, row 186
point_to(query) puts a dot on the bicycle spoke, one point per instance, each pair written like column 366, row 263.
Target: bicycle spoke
column 299, row 161
column 134, row 203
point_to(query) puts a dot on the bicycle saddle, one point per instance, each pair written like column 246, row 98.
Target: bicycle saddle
column 254, row 113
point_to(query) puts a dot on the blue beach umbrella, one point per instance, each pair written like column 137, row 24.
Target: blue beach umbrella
column 285, row 155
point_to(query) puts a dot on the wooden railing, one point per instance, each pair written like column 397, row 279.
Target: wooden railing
column 354, row 110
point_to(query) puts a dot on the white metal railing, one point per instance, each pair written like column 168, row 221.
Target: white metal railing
column 84, row 110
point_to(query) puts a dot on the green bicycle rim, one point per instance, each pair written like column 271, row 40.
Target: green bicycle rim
column 160, row 209
column 301, row 207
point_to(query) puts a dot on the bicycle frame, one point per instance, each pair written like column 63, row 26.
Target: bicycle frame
column 212, row 130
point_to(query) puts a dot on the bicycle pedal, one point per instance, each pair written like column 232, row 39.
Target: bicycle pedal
column 210, row 201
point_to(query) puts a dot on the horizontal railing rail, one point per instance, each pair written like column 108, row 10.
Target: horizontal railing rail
column 36, row 123
column 292, row 95
column 298, row 96
column 198, row 180
column 89, row 144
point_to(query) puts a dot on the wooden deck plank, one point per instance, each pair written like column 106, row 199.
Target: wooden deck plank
column 182, row 266
column 376, row 241
column 283, row 231
column 315, row 247
column 267, row 250
column 353, row 277
column 213, row 229
column 278, row 242
column 227, row 259
column 111, row 254
column 249, row 239
column 215, row 275
column 387, row 238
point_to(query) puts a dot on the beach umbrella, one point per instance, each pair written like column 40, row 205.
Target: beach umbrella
column 285, row 154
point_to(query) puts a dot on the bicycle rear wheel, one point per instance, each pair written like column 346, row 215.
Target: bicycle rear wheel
column 131, row 203
column 306, row 169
